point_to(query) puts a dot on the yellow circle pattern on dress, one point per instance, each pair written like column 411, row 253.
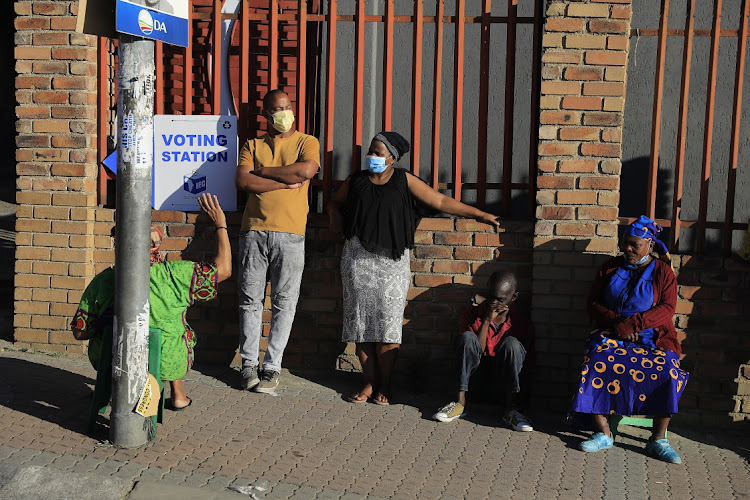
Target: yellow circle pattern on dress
column 654, row 376
column 637, row 375
column 583, row 380
column 646, row 363
column 673, row 373
column 679, row 385
column 585, row 370
column 613, row 387
column 675, row 363
column 659, row 352
column 659, row 360
column 619, row 368
column 659, row 368
column 600, row 367
column 633, row 359
column 597, row 383
column 639, row 350
column 642, row 397
column 620, row 351
column 610, row 358
column 612, row 342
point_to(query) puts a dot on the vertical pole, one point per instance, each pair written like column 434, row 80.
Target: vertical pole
column 416, row 87
column 359, row 84
column 687, row 54
column 736, row 120
column 484, row 83
column 458, row 97
column 438, row 88
column 135, row 131
column 653, row 167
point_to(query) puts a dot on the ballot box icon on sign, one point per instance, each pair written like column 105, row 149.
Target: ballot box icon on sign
column 194, row 185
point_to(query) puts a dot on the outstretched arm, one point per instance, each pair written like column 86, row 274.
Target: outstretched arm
column 223, row 259
column 445, row 204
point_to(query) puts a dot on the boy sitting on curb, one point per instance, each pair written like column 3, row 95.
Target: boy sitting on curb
column 498, row 340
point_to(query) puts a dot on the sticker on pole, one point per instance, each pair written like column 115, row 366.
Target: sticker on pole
column 194, row 155
column 148, row 404
column 163, row 20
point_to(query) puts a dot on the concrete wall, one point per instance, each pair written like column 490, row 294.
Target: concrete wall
column 638, row 118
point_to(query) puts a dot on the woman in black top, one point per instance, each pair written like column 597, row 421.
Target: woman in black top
column 374, row 209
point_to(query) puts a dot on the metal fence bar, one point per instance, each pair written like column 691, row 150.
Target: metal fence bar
column 102, row 101
column 273, row 45
column 216, row 59
column 244, row 70
column 187, row 70
column 458, row 97
column 330, row 96
column 510, row 91
column 159, row 80
column 736, row 118
column 535, row 103
column 301, row 66
column 388, row 66
column 484, row 83
column 709, row 127
column 437, row 89
column 687, row 55
column 653, row 166
column 416, row 86
column 359, row 83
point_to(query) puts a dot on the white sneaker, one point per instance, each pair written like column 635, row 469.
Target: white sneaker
column 449, row 412
column 518, row 422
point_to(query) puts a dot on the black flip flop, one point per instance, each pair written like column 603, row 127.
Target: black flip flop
column 170, row 406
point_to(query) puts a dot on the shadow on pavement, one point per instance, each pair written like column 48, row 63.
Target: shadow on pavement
column 45, row 392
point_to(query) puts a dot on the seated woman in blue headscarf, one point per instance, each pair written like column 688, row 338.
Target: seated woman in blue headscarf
column 632, row 361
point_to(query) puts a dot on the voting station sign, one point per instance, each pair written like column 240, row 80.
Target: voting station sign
column 163, row 20
column 193, row 155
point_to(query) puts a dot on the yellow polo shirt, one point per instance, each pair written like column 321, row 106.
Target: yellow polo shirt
column 283, row 210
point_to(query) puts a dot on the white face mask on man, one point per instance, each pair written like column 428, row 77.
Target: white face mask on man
column 283, row 120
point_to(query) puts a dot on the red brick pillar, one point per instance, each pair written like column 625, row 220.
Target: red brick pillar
column 582, row 99
column 56, row 167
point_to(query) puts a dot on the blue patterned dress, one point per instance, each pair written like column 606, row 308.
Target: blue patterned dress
column 628, row 378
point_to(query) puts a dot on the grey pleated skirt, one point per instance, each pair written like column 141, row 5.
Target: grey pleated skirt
column 375, row 289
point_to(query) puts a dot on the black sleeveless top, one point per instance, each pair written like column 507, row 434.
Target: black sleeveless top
column 382, row 217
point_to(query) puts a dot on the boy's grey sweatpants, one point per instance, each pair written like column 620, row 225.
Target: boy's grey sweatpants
column 281, row 257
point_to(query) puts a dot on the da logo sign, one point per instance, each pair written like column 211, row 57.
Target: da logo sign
column 148, row 24
column 145, row 22
column 194, row 185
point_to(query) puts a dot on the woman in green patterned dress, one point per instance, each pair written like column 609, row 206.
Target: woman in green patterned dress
column 175, row 285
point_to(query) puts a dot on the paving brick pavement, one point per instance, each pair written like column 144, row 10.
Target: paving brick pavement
column 308, row 443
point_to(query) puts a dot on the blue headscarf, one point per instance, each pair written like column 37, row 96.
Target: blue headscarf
column 646, row 228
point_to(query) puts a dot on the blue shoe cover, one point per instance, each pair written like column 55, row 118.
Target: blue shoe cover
column 598, row 441
column 661, row 450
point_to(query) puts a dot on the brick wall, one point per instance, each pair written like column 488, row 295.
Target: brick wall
column 56, row 97
column 63, row 236
column 582, row 98
column 712, row 317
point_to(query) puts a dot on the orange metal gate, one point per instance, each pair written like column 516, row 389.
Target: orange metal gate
column 277, row 44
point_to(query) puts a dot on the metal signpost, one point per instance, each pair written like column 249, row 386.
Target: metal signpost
column 135, row 124
column 165, row 20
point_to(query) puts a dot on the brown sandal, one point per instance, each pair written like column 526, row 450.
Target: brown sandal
column 381, row 399
column 358, row 398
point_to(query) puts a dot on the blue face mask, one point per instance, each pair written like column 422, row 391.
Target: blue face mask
column 375, row 164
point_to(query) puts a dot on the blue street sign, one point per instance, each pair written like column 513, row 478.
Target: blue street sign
column 163, row 20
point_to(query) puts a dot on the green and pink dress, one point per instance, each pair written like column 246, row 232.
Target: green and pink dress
column 175, row 286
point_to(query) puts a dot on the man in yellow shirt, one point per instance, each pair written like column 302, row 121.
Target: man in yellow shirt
column 275, row 170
